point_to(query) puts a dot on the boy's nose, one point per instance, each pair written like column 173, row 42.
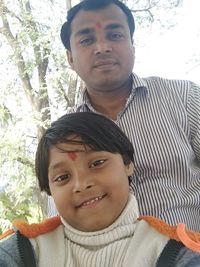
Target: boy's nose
column 82, row 182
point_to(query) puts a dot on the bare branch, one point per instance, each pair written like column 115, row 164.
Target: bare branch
column 26, row 162
column 41, row 53
column 68, row 4
column 178, row 3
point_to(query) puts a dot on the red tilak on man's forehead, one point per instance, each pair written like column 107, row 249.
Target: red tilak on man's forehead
column 72, row 155
column 98, row 25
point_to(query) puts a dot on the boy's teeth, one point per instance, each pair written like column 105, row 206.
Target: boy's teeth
column 92, row 201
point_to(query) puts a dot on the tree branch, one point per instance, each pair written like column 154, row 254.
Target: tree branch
column 13, row 42
column 26, row 162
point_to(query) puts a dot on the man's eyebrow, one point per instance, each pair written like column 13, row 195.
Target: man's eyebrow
column 113, row 26
column 110, row 26
column 84, row 32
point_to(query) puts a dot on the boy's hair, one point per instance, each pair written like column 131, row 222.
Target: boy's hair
column 96, row 131
column 92, row 5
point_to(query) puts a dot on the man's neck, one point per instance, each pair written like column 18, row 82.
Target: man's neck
column 110, row 103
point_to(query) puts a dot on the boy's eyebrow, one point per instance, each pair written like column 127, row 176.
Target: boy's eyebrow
column 56, row 166
column 62, row 163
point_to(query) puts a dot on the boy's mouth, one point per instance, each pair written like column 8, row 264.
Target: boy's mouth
column 90, row 202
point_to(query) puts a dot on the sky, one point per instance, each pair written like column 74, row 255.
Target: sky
column 173, row 53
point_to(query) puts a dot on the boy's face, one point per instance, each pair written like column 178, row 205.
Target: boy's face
column 90, row 188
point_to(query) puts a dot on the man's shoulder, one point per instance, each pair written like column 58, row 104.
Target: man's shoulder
column 166, row 87
column 76, row 108
column 72, row 109
column 172, row 83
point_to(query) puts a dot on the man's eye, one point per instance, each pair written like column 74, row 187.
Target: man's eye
column 62, row 178
column 87, row 41
column 97, row 163
column 115, row 36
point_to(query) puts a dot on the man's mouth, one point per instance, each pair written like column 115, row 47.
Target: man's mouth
column 105, row 64
column 90, row 202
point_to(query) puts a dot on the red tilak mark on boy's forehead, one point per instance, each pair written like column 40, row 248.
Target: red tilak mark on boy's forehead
column 98, row 25
column 72, row 155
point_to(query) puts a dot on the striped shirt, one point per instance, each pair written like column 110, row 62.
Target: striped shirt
column 162, row 119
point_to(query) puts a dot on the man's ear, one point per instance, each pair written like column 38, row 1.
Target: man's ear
column 70, row 58
column 129, row 169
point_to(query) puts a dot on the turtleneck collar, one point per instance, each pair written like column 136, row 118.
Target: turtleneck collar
column 123, row 227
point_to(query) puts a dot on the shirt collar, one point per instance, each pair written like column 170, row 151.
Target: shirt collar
column 137, row 84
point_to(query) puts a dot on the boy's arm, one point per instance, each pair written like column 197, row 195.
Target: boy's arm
column 187, row 258
column 9, row 255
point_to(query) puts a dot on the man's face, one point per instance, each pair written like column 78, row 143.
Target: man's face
column 102, row 52
column 90, row 188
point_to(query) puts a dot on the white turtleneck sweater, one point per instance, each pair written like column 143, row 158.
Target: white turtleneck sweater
column 127, row 242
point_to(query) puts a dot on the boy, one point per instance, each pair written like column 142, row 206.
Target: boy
column 85, row 162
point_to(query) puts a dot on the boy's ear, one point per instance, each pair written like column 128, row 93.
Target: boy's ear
column 129, row 169
column 70, row 58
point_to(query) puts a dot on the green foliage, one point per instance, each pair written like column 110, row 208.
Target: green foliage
column 26, row 100
column 17, row 198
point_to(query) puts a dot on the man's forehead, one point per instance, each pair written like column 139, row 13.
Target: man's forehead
column 98, row 18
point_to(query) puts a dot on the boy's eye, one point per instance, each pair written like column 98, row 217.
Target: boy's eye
column 87, row 41
column 63, row 177
column 97, row 163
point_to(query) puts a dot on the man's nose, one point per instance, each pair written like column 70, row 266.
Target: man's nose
column 82, row 182
column 102, row 46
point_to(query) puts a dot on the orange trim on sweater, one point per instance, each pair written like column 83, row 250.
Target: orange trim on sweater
column 185, row 239
column 189, row 238
column 7, row 233
column 34, row 229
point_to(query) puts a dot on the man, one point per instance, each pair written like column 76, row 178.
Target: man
column 161, row 117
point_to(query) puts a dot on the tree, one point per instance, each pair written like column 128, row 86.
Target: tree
column 27, row 42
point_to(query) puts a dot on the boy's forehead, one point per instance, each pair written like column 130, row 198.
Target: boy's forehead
column 65, row 151
column 72, row 155
column 98, row 18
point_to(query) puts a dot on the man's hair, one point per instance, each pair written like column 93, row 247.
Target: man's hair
column 96, row 131
column 92, row 5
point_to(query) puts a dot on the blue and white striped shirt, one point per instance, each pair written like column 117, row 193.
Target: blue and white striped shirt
column 162, row 119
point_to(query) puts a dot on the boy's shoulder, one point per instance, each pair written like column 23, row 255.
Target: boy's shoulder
column 20, row 244
column 35, row 229
column 188, row 238
column 9, row 253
